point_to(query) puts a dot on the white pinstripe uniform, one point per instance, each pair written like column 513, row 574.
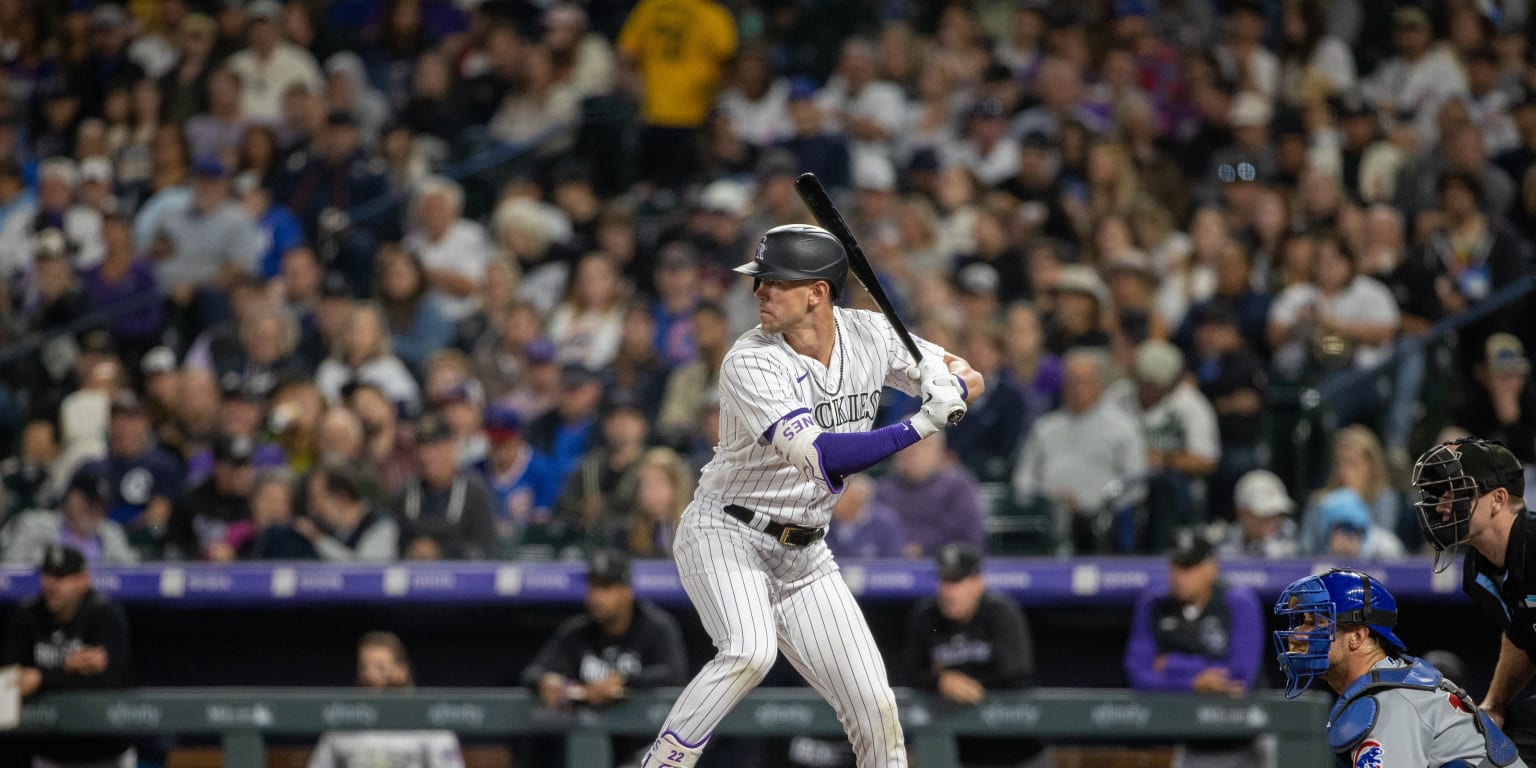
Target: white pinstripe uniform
column 756, row 596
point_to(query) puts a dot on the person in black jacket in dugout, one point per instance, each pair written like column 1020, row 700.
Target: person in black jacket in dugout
column 70, row 637
column 619, row 644
column 967, row 641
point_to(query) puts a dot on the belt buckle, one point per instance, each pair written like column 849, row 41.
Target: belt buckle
column 784, row 537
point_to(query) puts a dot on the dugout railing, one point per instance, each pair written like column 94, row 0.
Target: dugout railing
column 243, row 719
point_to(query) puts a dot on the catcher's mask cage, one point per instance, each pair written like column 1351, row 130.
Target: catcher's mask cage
column 1448, row 496
column 1303, row 650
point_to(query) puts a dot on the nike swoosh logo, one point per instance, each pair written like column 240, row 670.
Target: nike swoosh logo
column 801, row 377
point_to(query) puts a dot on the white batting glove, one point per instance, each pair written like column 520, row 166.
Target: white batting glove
column 937, row 382
column 930, row 368
column 935, row 415
column 943, row 397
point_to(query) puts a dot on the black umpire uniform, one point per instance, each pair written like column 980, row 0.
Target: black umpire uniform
column 38, row 639
column 994, row 648
column 1502, row 592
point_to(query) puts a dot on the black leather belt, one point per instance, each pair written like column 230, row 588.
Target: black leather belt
column 788, row 535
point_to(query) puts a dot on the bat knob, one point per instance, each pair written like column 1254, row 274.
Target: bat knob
column 955, row 415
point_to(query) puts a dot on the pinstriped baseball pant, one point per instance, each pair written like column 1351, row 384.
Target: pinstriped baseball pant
column 757, row 597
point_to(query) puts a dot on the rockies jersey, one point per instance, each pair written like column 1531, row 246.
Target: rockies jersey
column 994, row 647
column 649, row 654
column 1401, row 714
column 763, row 380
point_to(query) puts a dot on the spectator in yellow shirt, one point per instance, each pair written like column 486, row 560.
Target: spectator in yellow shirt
column 678, row 48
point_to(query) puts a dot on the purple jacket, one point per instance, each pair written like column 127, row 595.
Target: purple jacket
column 1241, row 640
column 145, row 323
column 946, row 508
column 878, row 533
column 200, row 464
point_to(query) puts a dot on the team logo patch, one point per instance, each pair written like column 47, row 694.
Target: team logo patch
column 1368, row 754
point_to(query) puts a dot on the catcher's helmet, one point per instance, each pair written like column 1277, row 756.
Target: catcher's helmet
column 1336, row 597
column 799, row 252
column 1450, row 477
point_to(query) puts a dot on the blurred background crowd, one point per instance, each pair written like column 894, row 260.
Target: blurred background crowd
column 446, row 279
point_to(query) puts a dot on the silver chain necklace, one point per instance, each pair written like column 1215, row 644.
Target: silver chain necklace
column 842, row 361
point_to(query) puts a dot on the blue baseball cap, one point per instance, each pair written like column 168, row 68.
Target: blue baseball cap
column 502, row 423
column 802, row 88
column 208, row 166
column 1344, row 507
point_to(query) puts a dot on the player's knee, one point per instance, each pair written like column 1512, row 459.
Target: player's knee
column 887, row 717
column 751, row 664
column 885, row 706
column 884, row 735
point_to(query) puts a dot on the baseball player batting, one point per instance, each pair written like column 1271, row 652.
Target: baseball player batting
column 798, row 396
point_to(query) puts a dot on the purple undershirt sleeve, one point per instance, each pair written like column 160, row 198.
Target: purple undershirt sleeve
column 843, row 454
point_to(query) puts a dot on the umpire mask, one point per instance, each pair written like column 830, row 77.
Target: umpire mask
column 1448, row 494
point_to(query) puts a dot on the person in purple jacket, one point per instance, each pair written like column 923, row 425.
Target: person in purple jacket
column 863, row 527
column 937, row 500
column 122, row 276
column 1198, row 635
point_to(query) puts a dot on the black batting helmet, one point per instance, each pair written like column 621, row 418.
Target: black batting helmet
column 799, row 252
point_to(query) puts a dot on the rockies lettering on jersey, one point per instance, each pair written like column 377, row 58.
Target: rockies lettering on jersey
column 961, row 650
column 594, row 668
column 846, row 409
column 763, row 381
column 50, row 652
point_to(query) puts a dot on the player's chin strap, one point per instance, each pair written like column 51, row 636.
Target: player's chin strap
column 1355, row 713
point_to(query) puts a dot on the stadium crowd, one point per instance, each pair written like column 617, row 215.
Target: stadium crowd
column 255, row 306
